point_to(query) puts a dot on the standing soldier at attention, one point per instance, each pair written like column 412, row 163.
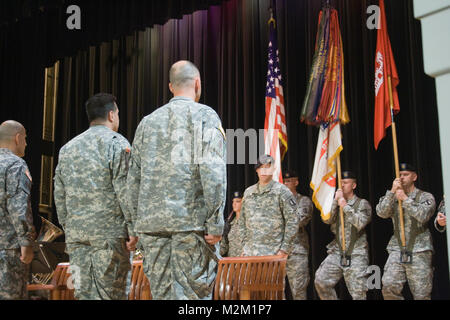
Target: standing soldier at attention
column 177, row 190
column 297, row 267
column 90, row 198
column 351, row 264
column 268, row 214
column 231, row 243
column 413, row 263
column 17, row 232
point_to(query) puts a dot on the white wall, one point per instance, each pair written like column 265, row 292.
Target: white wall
column 434, row 16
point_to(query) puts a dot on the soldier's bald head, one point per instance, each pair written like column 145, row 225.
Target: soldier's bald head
column 183, row 73
column 9, row 129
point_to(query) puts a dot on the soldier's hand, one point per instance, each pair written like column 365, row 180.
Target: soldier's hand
column 441, row 219
column 131, row 243
column 212, row 239
column 339, row 194
column 401, row 195
column 282, row 253
column 26, row 254
column 397, row 184
column 342, row 203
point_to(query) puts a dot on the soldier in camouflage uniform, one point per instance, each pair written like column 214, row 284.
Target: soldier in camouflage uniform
column 177, row 190
column 440, row 223
column 231, row 243
column 268, row 214
column 17, row 232
column 297, row 268
column 353, row 263
column 413, row 263
column 90, row 198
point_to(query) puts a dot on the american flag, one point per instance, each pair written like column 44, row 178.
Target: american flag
column 275, row 133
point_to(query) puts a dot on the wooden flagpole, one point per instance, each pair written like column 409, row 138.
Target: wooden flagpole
column 397, row 167
column 341, row 210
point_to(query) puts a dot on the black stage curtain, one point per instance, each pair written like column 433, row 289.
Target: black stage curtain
column 33, row 35
column 229, row 45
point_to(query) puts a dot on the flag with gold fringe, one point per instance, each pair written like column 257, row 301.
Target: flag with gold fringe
column 325, row 106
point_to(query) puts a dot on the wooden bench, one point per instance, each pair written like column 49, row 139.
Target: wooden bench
column 58, row 285
column 139, row 288
column 250, row 278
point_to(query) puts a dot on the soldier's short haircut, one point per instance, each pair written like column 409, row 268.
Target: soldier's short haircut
column 9, row 129
column 183, row 73
column 98, row 106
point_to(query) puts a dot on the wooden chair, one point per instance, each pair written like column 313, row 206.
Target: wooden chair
column 140, row 286
column 250, row 278
column 58, row 285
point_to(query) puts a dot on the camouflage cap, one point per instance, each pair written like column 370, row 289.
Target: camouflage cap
column 264, row 159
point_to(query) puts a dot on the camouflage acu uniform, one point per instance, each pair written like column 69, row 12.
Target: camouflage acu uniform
column 177, row 186
column 441, row 209
column 231, row 243
column 417, row 211
column 16, row 225
column 269, row 219
column 297, row 269
column 357, row 214
column 90, row 198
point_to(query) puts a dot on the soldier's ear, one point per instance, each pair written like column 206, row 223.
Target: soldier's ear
column 414, row 177
column 17, row 139
column 111, row 116
column 170, row 87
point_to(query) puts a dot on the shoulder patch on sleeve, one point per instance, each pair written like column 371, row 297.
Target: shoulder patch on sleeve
column 292, row 202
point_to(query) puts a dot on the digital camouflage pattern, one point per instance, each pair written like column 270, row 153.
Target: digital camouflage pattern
column 297, row 269
column 90, row 186
column 99, row 269
column 421, row 210
column 180, row 266
column 16, row 224
column 16, row 218
column 357, row 214
column 90, row 198
column 13, row 276
column 358, row 217
column 330, row 272
column 419, row 275
column 231, row 243
column 418, row 209
column 177, row 192
column 269, row 218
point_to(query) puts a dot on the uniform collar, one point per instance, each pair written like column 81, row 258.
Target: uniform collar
column 99, row 126
column 266, row 188
column 6, row 150
column 352, row 201
column 181, row 98
column 413, row 194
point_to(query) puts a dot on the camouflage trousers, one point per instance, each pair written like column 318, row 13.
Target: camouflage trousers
column 179, row 266
column 331, row 271
column 99, row 269
column 297, row 271
column 419, row 275
column 13, row 276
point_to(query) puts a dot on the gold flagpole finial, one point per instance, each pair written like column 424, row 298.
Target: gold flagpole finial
column 271, row 20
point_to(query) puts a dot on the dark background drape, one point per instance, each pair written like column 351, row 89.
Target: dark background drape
column 228, row 43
